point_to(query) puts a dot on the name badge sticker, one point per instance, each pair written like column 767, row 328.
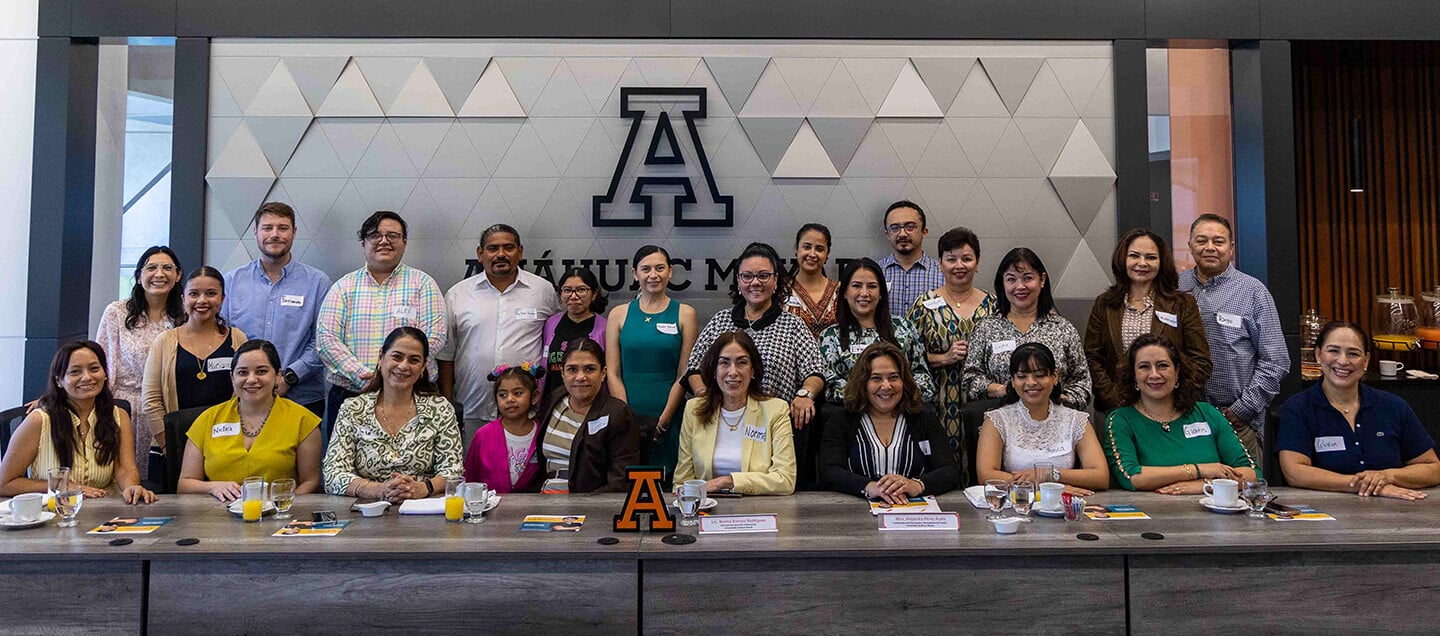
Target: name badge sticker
column 1229, row 320
column 225, row 429
column 756, row 434
column 857, row 348
column 667, row 328
column 403, row 312
column 793, row 301
column 934, row 303
column 1198, row 429
column 217, row 364
column 1002, row 346
column 527, row 313
column 292, row 300
column 925, row 446
column 1329, row 444
column 1167, row 318
column 598, row 424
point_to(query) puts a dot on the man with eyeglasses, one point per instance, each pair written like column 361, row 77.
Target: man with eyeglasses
column 364, row 306
column 495, row 317
column 277, row 298
column 908, row 271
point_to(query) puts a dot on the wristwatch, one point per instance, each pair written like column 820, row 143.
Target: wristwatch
column 290, row 377
column 805, row 393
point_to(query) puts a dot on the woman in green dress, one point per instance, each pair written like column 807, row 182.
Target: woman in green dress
column 647, row 345
column 945, row 318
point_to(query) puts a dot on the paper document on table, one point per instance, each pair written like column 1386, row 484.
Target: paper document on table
column 976, row 495
column 428, row 506
column 1304, row 513
column 131, row 525
column 312, row 528
column 915, row 504
column 1116, row 513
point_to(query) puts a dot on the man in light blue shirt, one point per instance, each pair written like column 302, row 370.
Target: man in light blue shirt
column 909, row 273
column 277, row 298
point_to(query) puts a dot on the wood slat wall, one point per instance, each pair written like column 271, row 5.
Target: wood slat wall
column 1353, row 246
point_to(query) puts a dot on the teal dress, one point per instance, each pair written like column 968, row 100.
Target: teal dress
column 649, row 360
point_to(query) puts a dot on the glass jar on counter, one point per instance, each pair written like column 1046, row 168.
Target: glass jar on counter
column 1396, row 318
column 1310, row 324
column 1429, row 328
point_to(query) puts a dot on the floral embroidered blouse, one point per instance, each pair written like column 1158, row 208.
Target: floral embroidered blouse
column 426, row 446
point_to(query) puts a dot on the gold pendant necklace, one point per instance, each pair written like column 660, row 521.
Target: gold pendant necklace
column 200, row 375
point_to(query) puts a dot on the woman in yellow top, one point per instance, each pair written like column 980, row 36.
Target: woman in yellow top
column 735, row 436
column 95, row 441
column 253, row 433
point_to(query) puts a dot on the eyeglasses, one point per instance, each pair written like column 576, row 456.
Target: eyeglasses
column 393, row 237
column 908, row 228
column 750, row 277
column 574, row 291
column 152, row 268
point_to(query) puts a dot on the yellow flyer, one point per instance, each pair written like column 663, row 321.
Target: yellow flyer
column 312, row 528
column 131, row 525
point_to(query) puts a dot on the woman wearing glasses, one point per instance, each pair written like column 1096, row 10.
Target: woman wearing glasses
column 583, row 302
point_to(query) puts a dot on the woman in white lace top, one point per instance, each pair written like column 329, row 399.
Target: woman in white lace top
column 1033, row 428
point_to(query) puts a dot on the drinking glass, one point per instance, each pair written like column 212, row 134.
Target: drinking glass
column 692, row 492
column 282, row 492
column 57, row 480
column 1022, row 494
column 1257, row 494
column 476, row 496
column 1044, row 471
column 67, row 503
column 455, row 499
column 252, row 495
column 995, row 492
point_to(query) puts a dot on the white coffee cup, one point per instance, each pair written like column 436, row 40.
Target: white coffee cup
column 1390, row 368
column 26, row 507
column 1050, row 495
column 1224, row 492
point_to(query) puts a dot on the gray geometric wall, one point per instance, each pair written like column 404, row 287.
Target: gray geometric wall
column 1015, row 141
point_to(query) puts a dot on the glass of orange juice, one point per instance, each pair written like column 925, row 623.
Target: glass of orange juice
column 252, row 495
column 454, row 498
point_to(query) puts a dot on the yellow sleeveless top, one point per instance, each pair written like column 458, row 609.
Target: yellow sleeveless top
column 85, row 469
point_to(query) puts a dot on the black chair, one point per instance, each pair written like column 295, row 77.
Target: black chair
column 177, row 425
column 10, row 420
column 460, row 420
column 1270, row 463
column 972, row 416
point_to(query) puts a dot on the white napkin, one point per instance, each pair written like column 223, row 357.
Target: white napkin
column 976, row 495
column 427, row 506
column 1416, row 373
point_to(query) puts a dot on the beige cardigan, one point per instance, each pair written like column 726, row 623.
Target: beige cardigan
column 158, row 385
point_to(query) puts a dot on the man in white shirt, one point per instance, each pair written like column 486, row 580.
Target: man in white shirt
column 493, row 318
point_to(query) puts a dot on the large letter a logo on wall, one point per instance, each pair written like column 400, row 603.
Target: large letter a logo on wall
column 665, row 170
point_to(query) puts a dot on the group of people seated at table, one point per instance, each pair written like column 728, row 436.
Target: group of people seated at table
column 804, row 383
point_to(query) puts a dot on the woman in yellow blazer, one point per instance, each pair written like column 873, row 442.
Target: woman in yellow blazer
column 735, row 437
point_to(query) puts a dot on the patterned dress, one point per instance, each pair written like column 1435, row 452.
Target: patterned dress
column 816, row 313
column 939, row 327
column 840, row 359
column 426, row 446
column 126, row 351
column 996, row 337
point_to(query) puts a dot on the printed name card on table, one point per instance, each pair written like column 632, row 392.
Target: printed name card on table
column 1117, row 512
column 919, row 521
column 131, row 525
column 299, row 528
column 1306, row 513
column 552, row 523
column 738, row 524
column 913, row 506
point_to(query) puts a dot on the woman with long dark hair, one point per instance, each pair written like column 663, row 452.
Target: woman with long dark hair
column 812, row 294
column 584, row 304
column 76, row 425
column 128, row 329
column 862, row 318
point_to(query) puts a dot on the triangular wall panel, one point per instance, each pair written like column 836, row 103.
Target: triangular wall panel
column 244, row 76
column 597, row 77
column 279, row 96
column 909, row 97
column 420, row 96
column 1011, row 77
column 840, row 136
column 806, row 158
column 770, row 137
column 772, row 98
column 387, row 76
column 456, row 76
column 241, row 157
column 315, row 76
column 349, row 137
column 315, row 157
column 278, row 137
column 805, row 76
column 737, row 77
column 350, row 97
column 875, row 77
column 492, row 97
column 527, row 76
column 977, row 98
column 944, row 76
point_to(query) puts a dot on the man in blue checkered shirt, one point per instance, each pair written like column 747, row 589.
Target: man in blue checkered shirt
column 1246, row 342
column 909, row 273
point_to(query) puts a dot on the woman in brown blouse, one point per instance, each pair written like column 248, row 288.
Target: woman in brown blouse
column 1144, row 299
column 812, row 297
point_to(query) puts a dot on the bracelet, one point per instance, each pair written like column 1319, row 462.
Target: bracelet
column 1198, row 474
column 1188, row 473
column 429, row 487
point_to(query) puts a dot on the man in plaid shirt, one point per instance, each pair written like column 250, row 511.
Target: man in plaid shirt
column 364, row 306
column 909, row 273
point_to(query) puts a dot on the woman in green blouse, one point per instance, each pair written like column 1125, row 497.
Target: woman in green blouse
column 1166, row 440
column 399, row 439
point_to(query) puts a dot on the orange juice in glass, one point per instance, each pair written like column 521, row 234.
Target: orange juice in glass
column 454, row 499
column 252, row 493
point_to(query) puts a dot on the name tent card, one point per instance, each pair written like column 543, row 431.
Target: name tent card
column 919, row 521
column 739, row 524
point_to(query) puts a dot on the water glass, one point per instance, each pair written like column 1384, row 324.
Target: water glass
column 476, row 496
column 996, row 490
column 455, row 499
column 282, row 492
column 67, row 504
column 1022, row 494
column 1045, row 471
column 252, row 498
column 1257, row 494
column 692, row 492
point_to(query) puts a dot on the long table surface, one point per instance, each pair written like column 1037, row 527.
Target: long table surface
column 810, row 524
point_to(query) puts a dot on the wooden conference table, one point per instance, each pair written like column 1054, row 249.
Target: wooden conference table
column 828, row 570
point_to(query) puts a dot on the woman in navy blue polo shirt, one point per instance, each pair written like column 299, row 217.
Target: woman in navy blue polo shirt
column 1343, row 436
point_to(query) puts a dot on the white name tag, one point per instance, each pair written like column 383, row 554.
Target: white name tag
column 225, row 429
column 527, row 313
column 291, row 300
column 403, row 312
column 756, row 434
column 1197, row 429
column 217, row 364
column 738, row 524
column 667, row 328
column 1169, row 319
column 1229, row 320
column 1002, row 346
column 793, row 301
column 925, row 447
column 598, row 424
column 857, row 348
column 933, row 303
column 919, row 521
column 1329, row 444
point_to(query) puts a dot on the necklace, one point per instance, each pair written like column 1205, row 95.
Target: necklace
column 1164, row 422
column 959, row 302
column 732, row 426
column 1336, row 403
column 649, row 315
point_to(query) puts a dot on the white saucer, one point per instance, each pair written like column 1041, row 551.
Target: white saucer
column 45, row 517
column 237, row 508
column 710, row 502
column 1053, row 513
column 1210, row 505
